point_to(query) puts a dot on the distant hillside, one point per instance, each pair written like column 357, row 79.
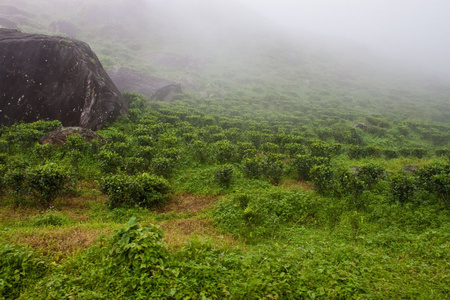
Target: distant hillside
column 217, row 48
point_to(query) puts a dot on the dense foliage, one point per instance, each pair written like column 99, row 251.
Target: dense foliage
column 320, row 207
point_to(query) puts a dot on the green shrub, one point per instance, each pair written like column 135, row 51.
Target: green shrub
column 146, row 153
column 413, row 152
column 390, row 154
column 121, row 148
column 20, row 267
column 199, row 150
column 435, row 178
column 322, row 149
column 252, row 167
column 4, row 145
column 44, row 126
column 22, row 136
column 304, row 163
column 224, row 175
column 133, row 165
column 347, row 183
column 44, row 152
column 245, row 149
column 49, row 219
column 137, row 247
column 356, row 152
column 323, row 179
column 14, row 181
column 145, row 140
column 76, row 143
column 295, row 149
column 115, row 137
column 46, row 183
column 370, row 174
column 135, row 101
column 442, row 152
column 2, row 179
column 163, row 166
column 273, row 168
column 224, row 151
column 270, row 147
column 42, row 184
column 145, row 190
column 109, row 161
column 260, row 215
column 402, row 188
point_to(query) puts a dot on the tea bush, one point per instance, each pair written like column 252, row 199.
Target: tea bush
column 435, row 179
column 323, row 178
column 224, row 175
column 303, row 163
column 163, row 166
column 403, row 187
column 370, row 174
column 109, row 161
column 273, row 168
column 252, row 166
column 145, row 190
column 46, row 182
column 41, row 183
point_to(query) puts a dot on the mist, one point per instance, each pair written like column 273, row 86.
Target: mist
column 410, row 32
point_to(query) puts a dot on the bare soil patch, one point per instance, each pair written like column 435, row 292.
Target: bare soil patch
column 185, row 203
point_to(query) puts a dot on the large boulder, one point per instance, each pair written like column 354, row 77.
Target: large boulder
column 128, row 80
column 54, row 78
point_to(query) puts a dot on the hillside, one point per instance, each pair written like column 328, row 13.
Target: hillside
column 215, row 48
column 290, row 167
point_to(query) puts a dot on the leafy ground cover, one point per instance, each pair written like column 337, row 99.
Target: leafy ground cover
column 238, row 205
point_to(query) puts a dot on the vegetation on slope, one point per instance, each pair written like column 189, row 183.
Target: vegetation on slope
column 308, row 205
column 284, row 171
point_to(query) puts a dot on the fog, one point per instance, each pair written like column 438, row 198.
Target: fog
column 413, row 32
column 408, row 32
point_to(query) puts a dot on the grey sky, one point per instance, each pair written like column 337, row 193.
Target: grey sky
column 414, row 31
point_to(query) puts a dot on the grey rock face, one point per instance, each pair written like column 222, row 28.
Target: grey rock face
column 128, row 80
column 54, row 78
